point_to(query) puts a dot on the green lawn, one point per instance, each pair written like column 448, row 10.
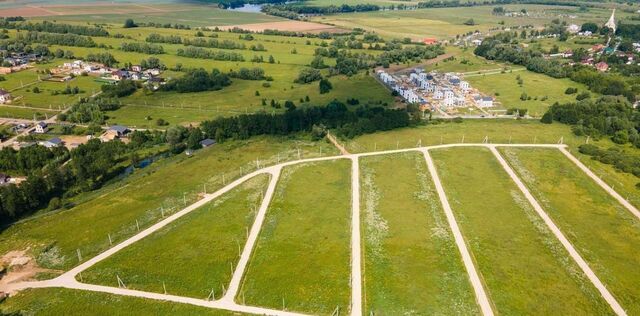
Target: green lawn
column 302, row 255
column 474, row 131
column 115, row 209
column 240, row 98
column 412, row 265
column 537, row 86
column 215, row 233
column 46, row 98
column 180, row 108
column 465, row 61
column 193, row 15
column 25, row 112
column 523, row 266
column 60, row 301
column 605, row 233
column 444, row 23
column 499, row 131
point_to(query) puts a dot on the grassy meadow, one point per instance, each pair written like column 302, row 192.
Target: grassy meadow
column 175, row 12
column 411, row 263
column 60, row 301
column 53, row 238
column 243, row 96
column 524, row 268
column 499, row 131
column 605, row 233
column 543, row 90
column 215, row 233
column 444, row 23
column 302, row 255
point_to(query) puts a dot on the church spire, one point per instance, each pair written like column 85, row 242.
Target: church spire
column 612, row 21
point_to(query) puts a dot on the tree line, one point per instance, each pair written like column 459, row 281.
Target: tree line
column 50, row 27
column 197, row 80
column 504, row 47
column 198, row 52
column 609, row 116
column 619, row 158
column 335, row 115
column 54, row 175
column 67, row 39
column 143, row 48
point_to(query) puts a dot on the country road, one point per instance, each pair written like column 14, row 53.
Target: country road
column 227, row 302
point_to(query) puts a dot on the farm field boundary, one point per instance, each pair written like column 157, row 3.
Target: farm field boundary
column 68, row 279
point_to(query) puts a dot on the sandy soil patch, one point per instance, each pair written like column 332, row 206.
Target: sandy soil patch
column 20, row 267
column 73, row 141
column 296, row 26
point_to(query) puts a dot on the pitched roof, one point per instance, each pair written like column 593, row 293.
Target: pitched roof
column 207, row 142
column 55, row 141
column 42, row 124
column 119, row 128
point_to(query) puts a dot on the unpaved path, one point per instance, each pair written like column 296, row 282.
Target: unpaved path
column 234, row 286
column 356, row 252
column 67, row 280
column 601, row 183
column 560, row 236
column 335, row 142
column 481, row 295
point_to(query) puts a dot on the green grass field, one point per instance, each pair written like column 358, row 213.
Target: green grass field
column 215, row 233
column 60, row 301
column 412, row 265
column 537, row 86
column 47, row 100
column 302, row 255
column 474, row 131
column 465, row 61
column 192, row 14
column 523, row 266
column 180, row 108
column 500, row 131
column 604, row 233
column 240, row 98
column 114, row 209
column 25, row 112
column 444, row 23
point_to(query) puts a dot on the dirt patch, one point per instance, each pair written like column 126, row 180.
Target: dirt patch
column 21, row 267
column 295, row 26
column 73, row 141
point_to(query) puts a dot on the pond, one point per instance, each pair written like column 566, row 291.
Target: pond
column 253, row 8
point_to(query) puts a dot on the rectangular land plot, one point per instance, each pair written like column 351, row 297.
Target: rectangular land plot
column 605, row 233
column 412, row 265
column 192, row 255
column 303, row 252
column 69, row 302
column 524, row 268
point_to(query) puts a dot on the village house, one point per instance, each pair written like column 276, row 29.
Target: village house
column 52, row 143
column 121, row 131
column 602, row 66
column 5, row 96
column 4, row 179
column 430, row 41
column 207, row 142
column 483, row 102
column 41, row 128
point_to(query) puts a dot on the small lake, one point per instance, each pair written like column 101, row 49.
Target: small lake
column 252, row 8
